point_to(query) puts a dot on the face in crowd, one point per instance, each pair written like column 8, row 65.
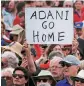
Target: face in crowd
column 56, row 69
column 79, row 82
column 78, row 4
column 43, row 81
column 68, row 4
column 68, row 69
column 57, row 48
column 19, row 78
column 8, row 77
column 11, row 6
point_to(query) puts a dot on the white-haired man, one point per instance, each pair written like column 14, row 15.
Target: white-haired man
column 56, row 69
column 6, row 74
column 9, row 59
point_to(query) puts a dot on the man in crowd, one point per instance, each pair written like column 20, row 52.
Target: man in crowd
column 20, row 76
column 71, row 67
column 79, row 79
column 56, row 69
column 44, row 78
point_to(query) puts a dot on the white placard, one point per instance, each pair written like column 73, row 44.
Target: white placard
column 49, row 25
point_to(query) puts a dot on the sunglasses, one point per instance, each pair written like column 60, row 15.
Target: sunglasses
column 6, row 77
column 79, row 80
column 68, row 6
column 19, row 75
column 65, row 64
column 44, row 80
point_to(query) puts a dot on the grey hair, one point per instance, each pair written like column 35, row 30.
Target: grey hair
column 11, row 58
column 9, row 69
column 71, row 2
column 55, row 53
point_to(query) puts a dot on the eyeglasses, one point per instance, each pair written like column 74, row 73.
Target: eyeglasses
column 79, row 80
column 44, row 80
column 7, row 77
column 68, row 6
column 19, row 75
column 56, row 67
column 65, row 64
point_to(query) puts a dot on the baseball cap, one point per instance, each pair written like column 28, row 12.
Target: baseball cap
column 78, row 25
column 71, row 59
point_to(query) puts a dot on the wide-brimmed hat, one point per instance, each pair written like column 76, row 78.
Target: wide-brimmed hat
column 44, row 73
column 80, row 75
column 15, row 47
column 16, row 30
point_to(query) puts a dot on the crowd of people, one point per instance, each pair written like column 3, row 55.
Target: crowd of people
column 24, row 64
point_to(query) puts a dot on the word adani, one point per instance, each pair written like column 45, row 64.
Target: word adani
column 63, row 15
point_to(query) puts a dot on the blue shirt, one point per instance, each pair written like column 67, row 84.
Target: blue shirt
column 63, row 82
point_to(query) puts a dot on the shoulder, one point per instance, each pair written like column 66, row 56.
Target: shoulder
column 61, row 82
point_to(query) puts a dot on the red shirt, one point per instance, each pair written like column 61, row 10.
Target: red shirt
column 16, row 20
column 77, row 17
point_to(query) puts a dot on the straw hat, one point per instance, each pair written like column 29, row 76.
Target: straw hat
column 16, row 30
column 45, row 73
column 15, row 47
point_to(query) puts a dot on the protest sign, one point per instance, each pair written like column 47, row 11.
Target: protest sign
column 49, row 25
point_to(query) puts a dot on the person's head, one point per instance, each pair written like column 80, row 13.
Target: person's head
column 22, row 19
column 55, row 53
column 78, row 28
column 20, row 7
column 78, row 4
column 56, row 68
column 38, row 4
column 5, row 4
column 71, row 65
column 13, row 37
column 56, row 3
column 6, row 73
column 67, row 50
column 44, row 78
column 30, row 3
column 79, row 54
column 17, row 32
column 9, row 59
column 49, row 3
column 11, row 6
column 20, row 76
column 79, row 78
column 68, row 4
column 57, row 48
column 43, row 48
